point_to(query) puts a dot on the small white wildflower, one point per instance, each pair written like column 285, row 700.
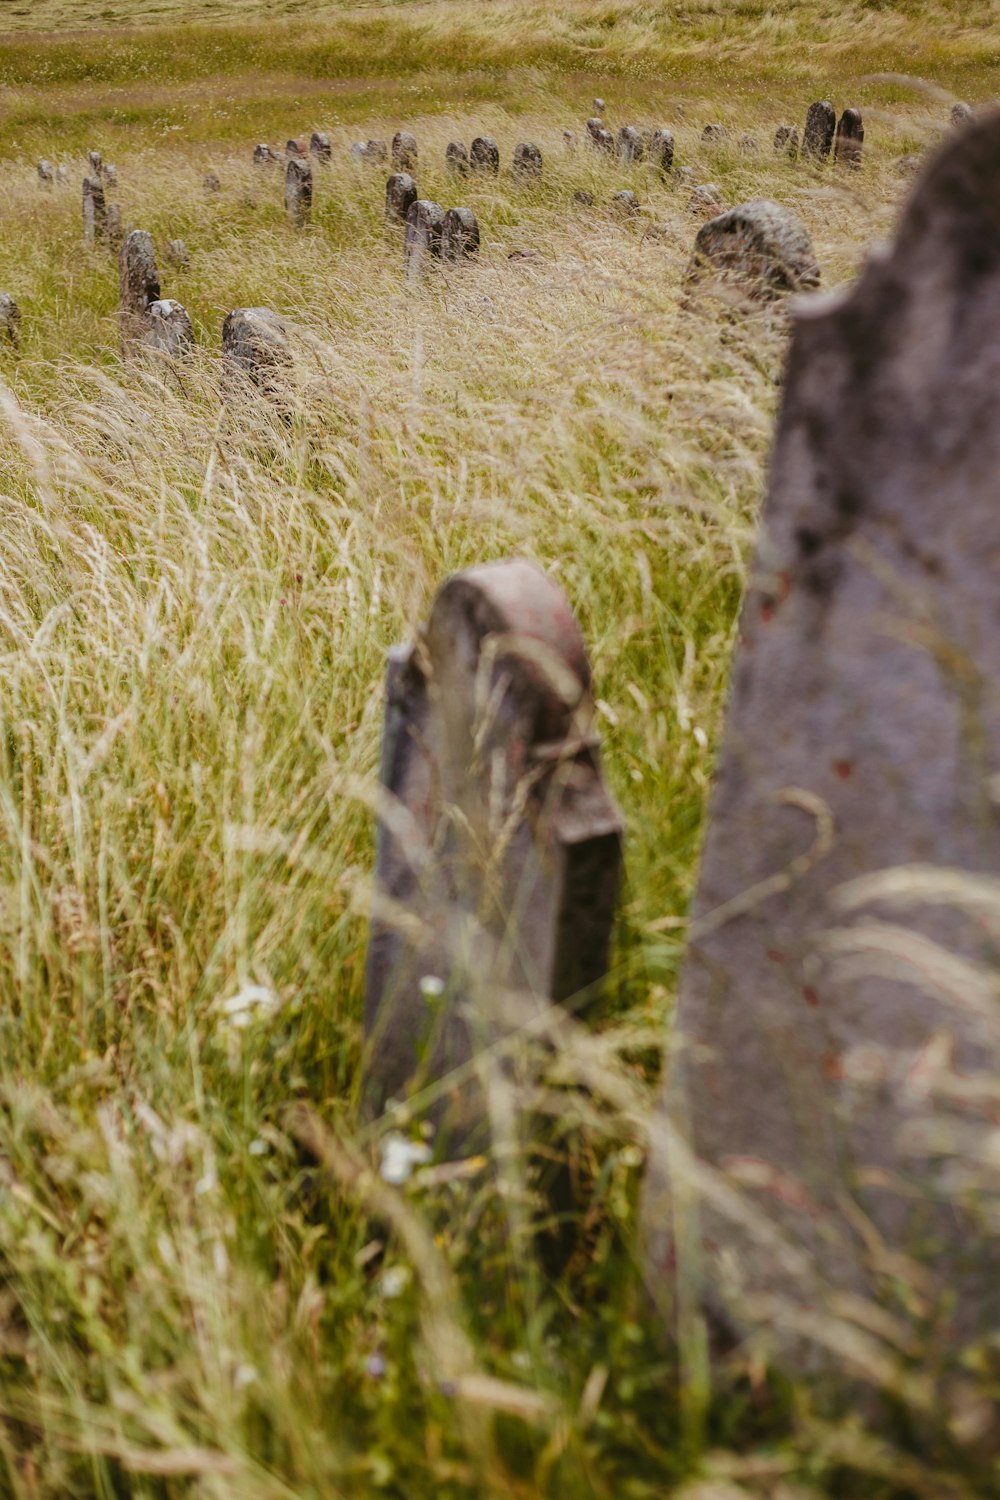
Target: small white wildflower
column 400, row 1155
column 247, row 1004
column 431, row 987
column 395, row 1280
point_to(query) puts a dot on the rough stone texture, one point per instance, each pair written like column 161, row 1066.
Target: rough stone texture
column 46, row 172
column 714, row 134
column 510, row 847
column 705, row 199
column 177, row 255
column 827, row 1059
column 376, row 153
column 168, row 329
column 457, row 158
column 625, row 202
column 604, row 141
column 594, row 125
column 761, row 245
column 109, row 175
column 138, row 284
column 400, row 196
column 821, row 125
column 459, row 235
column 629, row 144
column 320, row 148
column 10, row 320
column 298, row 191
column 849, row 139
column 786, row 140
column 424, row 227
column 749, row 145
column 404, row 151
column 962, row 114
column 599, row 107
column 211, row 183
column 96, row 161
column 297, row 148
column 661, row 149
column 527, row 161
column 255, row 355
column 95, row 212
column 263, row 156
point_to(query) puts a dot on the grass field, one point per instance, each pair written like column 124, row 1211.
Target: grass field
column 203, row 1292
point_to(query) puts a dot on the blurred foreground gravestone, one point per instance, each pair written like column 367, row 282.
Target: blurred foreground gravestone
column 821, row 126
column 837, row 1048
column 499, row 846
column 759, row 245
column 256, row 359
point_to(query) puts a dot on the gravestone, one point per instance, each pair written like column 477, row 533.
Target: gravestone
column 457, row 158
column 95, row 213
column 319, row 145
column 263, row 156
column 113, row 227
column 569, row 140
column 786, row 140
column 400, row 196
column 836, row 1050
column 504, row 856
column 297, row 148
column 358, row 152
column 424, row 226
column 821, row 125
column 594, row 125
column 376, row 153
column 749, row 145
column 661, row 149
column 527, row 162
column 298, row 191
column 138, row 285
column 256, row 358
column 629, row 144
column 168, row 329
column 46, row 172
column 404, row 151
column 714, row 135
column 599, row 107
column 177, row 255
column 211, row 183
column 585, row 199
column 459, row 235
column 909, row 165
column 109, row 175
column 10, row 320
column 849, row 139
column 759, row 245
column 96, row 161
column 705, row 199
column 604, row 141
column 962, row 114
column 484, row 155
column 62, row 174
column 625, row 202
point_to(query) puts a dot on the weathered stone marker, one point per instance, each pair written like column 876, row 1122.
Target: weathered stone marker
column 211, row 183
column 849, row 139
column 705, row 200
column 95, row 213
column 376, row 152
column 749, row 144
column 138, row 285
column 263, row 156
column 484, row 155
column 504, row 854
column 599, row 107
column 113, row 226
column 424, row 226
column 459, row 235
column 570, row 141
column 760, row 245
column 96, row 163
column 400, row 196
column 10, row 320
column 584, row 198
column 625, row 203
column 527, row 162
column 404, row 151
column 319, row 145
column 786, row 140
column 256, row 358
column 715, row 134
column 46, row 172
column 298, row 190
column 661, row 149
column 629, row 144
column 457, row 158
column 168, row 329
column 298, row 147
column 177, row 254
column 109, row 175
column 837, row 1045
column 821, row 126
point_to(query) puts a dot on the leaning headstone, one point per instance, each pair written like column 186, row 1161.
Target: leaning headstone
column 594, row 124
column 838, row 1036
column 256, row 359
column 502, row 856
column 319, row 145
column 459, row 235
column 527, row 161
column 95, row 213
column 849, row 139
column 168, row 329
column 484, row 155
column 759, row 245
column 661, row 149
column 962, row 114
column 400, row 195
column 298, row 190
column 404, row 151
column 424, row 226
column 457, row 158
column 786, row 140
column 629, row 143
column 604, row 141
column 46, row 172
column 10, row 320
column 821, row 126
column 211, row 183
column 177, row 255
column 138, row 285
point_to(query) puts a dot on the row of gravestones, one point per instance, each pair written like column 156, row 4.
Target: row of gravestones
column 794, row 1169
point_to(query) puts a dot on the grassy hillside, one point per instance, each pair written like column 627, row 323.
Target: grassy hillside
column 203, row 1291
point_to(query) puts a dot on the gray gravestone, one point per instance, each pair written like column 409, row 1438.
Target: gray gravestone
column 849, row 140
column 297, row 148
column 661, row 149
column 95, row 213
column 62, row 174
column 298, row 191
column 177, row 255
column 400, row 196
column 113, row 227
column 629, row 144
column 263, row 156
column 424, row 225
column 459, row 235
column 837, row 1043
column 569, row 141
column 96, row 161
column 168, row 329
column 761, row 245
column 138, row 285
column 705, row 199
column 504, row 855
column 211, row 183
column 376, row 153
column 749, row 145
column 457, row 158
column 484, row 155
column 319, row 145
column 625, row 203
column 821, row 126
column 786, row 140
column 527, row 162
column 109, row 175
column 10, row 320
column 714, row 135
column 46, row 172
column 256, row 358
column 404, row 151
